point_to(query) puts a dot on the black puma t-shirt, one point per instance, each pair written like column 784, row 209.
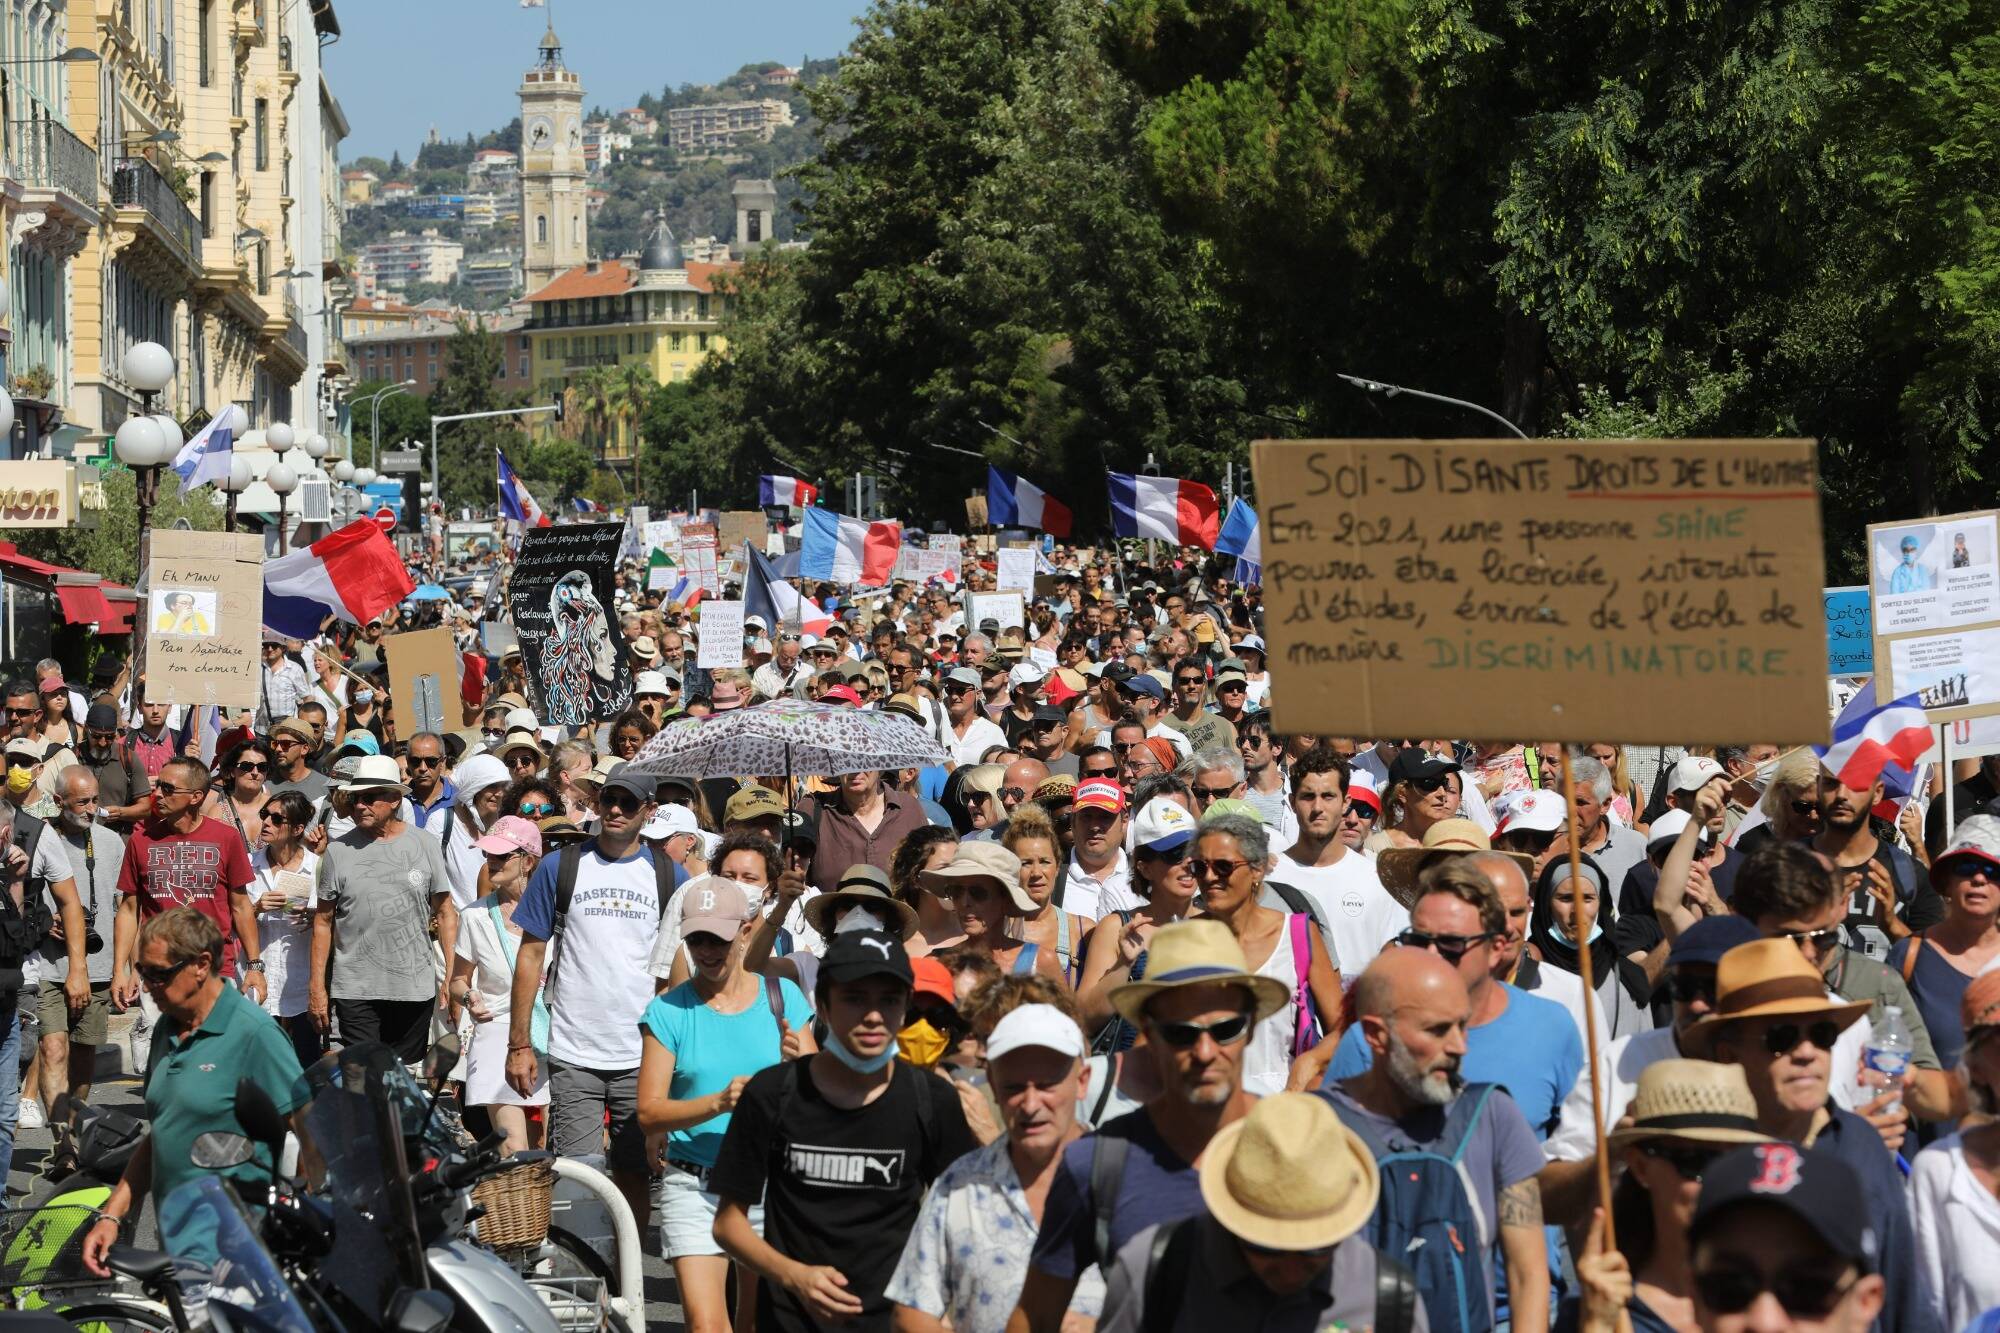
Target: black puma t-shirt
column 840, row 1187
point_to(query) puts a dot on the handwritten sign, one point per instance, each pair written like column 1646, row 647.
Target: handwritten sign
column 1571, row 590
column 698, row 556
column 560, row 599
column 733, row 527
column 204, row 618
column 661, row 535
column 412, row 657
column 1850, row 648
column 721, row 635
column 1936, row 595
column 1015, row 569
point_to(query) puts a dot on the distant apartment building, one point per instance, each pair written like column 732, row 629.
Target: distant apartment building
column 497, row 272
column 602, row 144
column 396, row 190
column 417, row 349
column 482, row 211
column 392, row 265
column 358, row 187
column 493, row 169
column 700, row 129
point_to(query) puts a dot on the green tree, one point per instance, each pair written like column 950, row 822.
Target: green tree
column 111, row 547
column 471, row 380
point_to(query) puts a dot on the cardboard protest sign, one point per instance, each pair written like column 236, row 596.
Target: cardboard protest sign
column 1572, row 590
column 1850, row 645
column 1935, row 586
column 1014, row 570
column 975, row 511
column 733, row 527
column 1005, row 607
column 424, row 668
column 698, row 557
column 561, row 600
column 721, row 635
column 204, row 618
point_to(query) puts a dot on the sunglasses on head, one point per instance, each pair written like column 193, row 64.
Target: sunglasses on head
column 1783, row 1038
column 1690, row 1162
column 1222, row 1031
column 1803, row 1293
column 1451, row 948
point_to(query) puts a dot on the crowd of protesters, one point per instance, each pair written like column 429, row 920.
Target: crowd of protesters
column 1129, row 1010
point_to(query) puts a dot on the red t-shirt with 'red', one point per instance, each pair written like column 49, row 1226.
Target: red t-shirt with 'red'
column 197, row 869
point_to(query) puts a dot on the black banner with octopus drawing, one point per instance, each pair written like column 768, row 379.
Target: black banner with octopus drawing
column 560, row 598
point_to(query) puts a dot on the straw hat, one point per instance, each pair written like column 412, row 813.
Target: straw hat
column 1289, row 1175
column 1201, row 952
column 1767, row 979
column 987, row 861
column 1398, row 867
column 862, row 886
column 1692, row 1099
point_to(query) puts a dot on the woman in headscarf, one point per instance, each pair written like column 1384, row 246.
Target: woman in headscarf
column 1623, row 992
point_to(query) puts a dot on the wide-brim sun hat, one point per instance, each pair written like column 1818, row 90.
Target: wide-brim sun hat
column 1767, row 978
column 987, row 862
column 1398, row 867
column 376, row 772
column 1289, row 1175
column 1200, row 952
column 862, row 886
column 1696, row 1100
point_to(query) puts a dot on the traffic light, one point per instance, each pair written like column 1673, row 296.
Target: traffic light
column 559, row 409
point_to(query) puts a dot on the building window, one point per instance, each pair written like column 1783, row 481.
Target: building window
column 263, row 134
column 432, row 371
column 524, row 367
column 701, row 306
column 678, row 343
column 576, row 230
column 207, row 201
column 753, row 229
column 205, row 37
column 263, row 268
column 541, row 229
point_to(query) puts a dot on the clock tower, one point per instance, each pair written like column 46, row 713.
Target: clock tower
column 554, row 193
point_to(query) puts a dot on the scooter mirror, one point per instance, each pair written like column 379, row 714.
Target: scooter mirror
column 416, row 1311
column 218, row 1150
column 443, row 1056
column 258, row 1114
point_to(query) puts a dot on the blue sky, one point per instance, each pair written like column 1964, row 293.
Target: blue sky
column 403, row 65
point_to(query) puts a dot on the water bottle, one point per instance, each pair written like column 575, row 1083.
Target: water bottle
column 1887, row 1055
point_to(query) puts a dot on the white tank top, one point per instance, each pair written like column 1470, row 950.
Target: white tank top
column 1267, row 1061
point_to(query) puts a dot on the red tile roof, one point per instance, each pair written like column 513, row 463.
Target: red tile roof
column 614, row 278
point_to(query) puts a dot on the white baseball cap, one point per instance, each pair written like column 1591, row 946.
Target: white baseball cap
column 1695, row 772
column 1162, row 826
column 1537, row 810
column 1024, row 673
column 669, row 819
column 1361, row 787
column 1668, row 827
column 522, row 719
column 649, row 682
column 1041, row 1025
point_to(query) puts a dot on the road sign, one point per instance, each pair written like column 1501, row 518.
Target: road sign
column 411, row 461
column 385, row 519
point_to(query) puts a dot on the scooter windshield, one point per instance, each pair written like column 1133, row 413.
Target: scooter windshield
column 355, row 1126
column 222, row 1260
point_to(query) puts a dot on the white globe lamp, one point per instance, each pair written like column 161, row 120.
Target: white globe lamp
column 139, row 443
column 282, row 478
column 171, row 438
column 148, row 367
column 363, row 476
column 239, row 420
column 279, row 436
column 6, row 413
column 241, row 474
column 316, row 446
column 343, row 471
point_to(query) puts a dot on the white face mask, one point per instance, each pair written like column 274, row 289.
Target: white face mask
column 861, row 918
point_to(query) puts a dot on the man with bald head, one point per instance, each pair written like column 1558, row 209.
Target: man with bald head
column 1412, row 1012
column 1018, row 783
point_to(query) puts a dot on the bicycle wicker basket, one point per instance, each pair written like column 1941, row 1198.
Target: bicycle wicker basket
column 517, row 1206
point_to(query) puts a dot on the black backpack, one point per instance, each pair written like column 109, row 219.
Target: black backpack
column 23, row 929
column 567, row 862
column 1171, row 1264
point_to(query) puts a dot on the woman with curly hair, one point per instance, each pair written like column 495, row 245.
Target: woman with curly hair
column 924, row 849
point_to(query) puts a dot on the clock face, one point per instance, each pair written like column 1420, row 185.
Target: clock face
column 575, row 135
column 540, row 132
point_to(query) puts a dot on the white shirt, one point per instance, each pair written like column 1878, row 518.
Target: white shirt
column 602, row 981
column 462, row 858
column 1359, row 915
column 284, row 939
column 1095, row 897
column 1957, row 1223
column 979, row 737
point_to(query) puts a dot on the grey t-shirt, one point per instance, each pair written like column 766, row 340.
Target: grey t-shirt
column 1220, row 1291
column 1625, row 849
column 313, row 786
column 100, row 904
column 380, row 890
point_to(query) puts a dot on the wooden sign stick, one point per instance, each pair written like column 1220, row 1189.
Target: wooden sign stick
column 1581, row 934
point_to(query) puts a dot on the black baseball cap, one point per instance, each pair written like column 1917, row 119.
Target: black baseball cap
column 1414, row 765
column 1116, row 672
column 101, row 717
column 1817, row 1188
column 1709, row 938
column 1048, row 715
column 854, row 955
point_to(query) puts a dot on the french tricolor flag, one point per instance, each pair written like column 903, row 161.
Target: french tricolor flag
column 1166, row 508
column 354, row 574
column 584, row 506
column 515, row 502
column 787, row 491
column 838, row 549
column 1014, row 503
column 1871, row 743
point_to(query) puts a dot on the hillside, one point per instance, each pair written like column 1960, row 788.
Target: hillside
column 692, row 189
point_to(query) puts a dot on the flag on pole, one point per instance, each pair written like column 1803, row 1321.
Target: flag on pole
column 778, row 602
column 1871, row 743
column 354, row 574
column 205, row 459
column 840, row 549
column 1240, row 537
column 584, row 506
column 1014, row 503
column 789, row 491
column 515, row 502
column 1166, row 508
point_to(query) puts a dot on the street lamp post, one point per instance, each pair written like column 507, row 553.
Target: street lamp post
column 281, row 477
column 141, row 442
column 238, row 481
column 1391, row 390
column 375, row 413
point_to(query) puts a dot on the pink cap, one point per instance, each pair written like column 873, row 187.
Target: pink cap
column 841, row 694
column 511, row 833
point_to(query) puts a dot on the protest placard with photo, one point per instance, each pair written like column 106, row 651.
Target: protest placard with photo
column 204, row 618
column 1935, row 592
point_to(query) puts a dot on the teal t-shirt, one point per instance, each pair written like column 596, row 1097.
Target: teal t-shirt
column 191, row 1085
column 709, row 1049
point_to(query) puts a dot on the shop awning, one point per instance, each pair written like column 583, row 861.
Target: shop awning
column 83, row 604
column 78, row 592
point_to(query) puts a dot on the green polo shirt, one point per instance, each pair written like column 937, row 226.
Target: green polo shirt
column 191, row 1085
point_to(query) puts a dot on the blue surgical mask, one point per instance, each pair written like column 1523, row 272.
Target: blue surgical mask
column 872, row 1065
column 364, row 696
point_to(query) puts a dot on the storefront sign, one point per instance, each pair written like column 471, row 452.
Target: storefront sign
column 38, row 493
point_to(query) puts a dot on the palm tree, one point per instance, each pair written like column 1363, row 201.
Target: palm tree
column 594, row 391
column 635, row 386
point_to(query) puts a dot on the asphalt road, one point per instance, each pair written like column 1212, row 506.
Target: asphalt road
column 118, row 1087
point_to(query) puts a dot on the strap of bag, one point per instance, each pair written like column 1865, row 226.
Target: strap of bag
column 774, row 995
column 1113, row 1063
column 1910, row 958
column 1302, row 1039
column 1167, row 1265
column 1107, row 1175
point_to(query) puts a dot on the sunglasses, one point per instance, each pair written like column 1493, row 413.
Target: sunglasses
column 536, row 810
column 1207, row 794
column 1106, row 773
column 426, row 761
column 274, row 816
column 1451, row 948
column 160, row 976
column 1690, row 1162
column 1172, row 857
column 1016, row 793
column 1815, row 941
column 377, row 797
column 1687, row 990
column 1805, row 807
column 621, row 800
column 1221, row 869
column 1186, row 681
column 1803, row 1294
column 1430, row 782
column 1222, row 1031
column 253, row 766
column 1785, row 1037
column 166, row 788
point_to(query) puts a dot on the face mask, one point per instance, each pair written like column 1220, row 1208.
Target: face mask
column 855, row 1062
column 921, row 1044
column 364, row 696
column 19, row 780
column 860, row 918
